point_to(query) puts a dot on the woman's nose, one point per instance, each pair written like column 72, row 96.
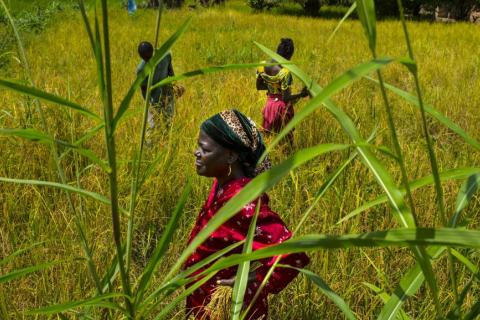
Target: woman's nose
column 196, row 153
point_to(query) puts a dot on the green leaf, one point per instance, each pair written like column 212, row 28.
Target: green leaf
column 212, row 69
column 36, row 93
column 166, row 309
column 401, row 211
column 162, row 244
column 10, row 257
column 347, row 14
column 241, row 279
column 409, row 284
column 326, row 290
column 149, row 67
column 384, row 297
column 57, row 185
column 474, row 312
column 99, row 301
column 183, row 277
column 21, row 272
column 254, row 189
column 434, row 113
column 404, row 237
column 468, row 189
column 36, row 136
column 467, row 263
column 366, row 14
column 452, row 174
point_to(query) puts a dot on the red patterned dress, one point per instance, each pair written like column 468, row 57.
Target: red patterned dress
column 270, row 230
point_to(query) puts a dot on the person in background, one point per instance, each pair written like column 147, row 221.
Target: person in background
column 229, row 147
column 162, row 99
column 131, row 7
column 277, row 81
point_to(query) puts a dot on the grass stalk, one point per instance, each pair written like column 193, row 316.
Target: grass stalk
column 54, row 153
column 112, row 161
column 431, row 154
column 139, row 154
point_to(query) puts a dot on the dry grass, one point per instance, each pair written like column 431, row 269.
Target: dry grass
column 62, row 64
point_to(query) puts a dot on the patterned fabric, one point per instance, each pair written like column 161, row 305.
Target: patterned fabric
column 270, row 230
column 277, row 83
column 233, row 130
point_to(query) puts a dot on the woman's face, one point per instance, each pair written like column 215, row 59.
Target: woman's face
column 211, row 159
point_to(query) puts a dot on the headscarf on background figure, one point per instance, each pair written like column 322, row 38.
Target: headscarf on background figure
column 233, row 130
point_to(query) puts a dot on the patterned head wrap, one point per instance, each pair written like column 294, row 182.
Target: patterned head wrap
column 235, row 131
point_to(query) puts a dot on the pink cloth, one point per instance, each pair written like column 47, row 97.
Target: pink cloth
column 276, row 113
column 270, row 230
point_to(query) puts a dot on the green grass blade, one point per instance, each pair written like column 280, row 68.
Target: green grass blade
column 182, row 278
column 212, row 69
column 149, row 67
column 181, row 297
column 453, row 174
column 347, row 14
column 468, row 189
column 36, row 136
column 433, row 113
column 384, row 179
column 326, row 290
column 255, row 188
column 99, row 301
column 384, row 297
column 42, row 95
column 338, row 84
column 404, row 237
column 366, row 14
column 241, row 278
column 474, row 312
column 22, row 272
column 57, row 185
column 86, row 23
column 10, row 257
column 467, row 263
column 162, row 244
column 408, row 286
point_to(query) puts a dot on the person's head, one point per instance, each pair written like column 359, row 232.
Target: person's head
column 145, row 50
column 285, row 48
column 229, row 146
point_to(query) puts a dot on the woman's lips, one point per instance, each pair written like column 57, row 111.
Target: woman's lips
column 198, row 164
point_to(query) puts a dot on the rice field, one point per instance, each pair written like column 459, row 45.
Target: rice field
column 61, row 63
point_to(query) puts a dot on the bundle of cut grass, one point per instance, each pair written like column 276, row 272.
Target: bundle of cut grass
column 219, row 306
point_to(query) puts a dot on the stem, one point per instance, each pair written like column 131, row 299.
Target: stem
column 138, row 156
column 54, row 152
column 157, row 28
column 431, row 154
column 110, row 141
column 396, row 144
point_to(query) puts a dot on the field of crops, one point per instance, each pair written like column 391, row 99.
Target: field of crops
column 61, row 63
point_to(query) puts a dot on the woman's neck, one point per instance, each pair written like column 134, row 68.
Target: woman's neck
column 226, row 179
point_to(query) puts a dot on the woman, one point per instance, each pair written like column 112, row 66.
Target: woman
column 277, row 80
column 229, row 147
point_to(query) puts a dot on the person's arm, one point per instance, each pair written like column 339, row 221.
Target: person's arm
column 289, row 97
column 261, row 84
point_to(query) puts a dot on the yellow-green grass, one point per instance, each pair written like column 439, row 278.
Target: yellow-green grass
column 62, row 63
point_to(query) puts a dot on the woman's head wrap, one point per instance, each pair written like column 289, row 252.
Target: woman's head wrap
column 235, row 131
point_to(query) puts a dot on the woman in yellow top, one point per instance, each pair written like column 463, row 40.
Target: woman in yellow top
column 277, row 81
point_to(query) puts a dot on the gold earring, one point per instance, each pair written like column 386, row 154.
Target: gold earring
column 229, row 169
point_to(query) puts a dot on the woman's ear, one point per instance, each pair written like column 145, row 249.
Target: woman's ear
column 232, row 157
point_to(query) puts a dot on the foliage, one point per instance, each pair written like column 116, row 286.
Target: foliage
column 105, row 173
column 263, row 4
